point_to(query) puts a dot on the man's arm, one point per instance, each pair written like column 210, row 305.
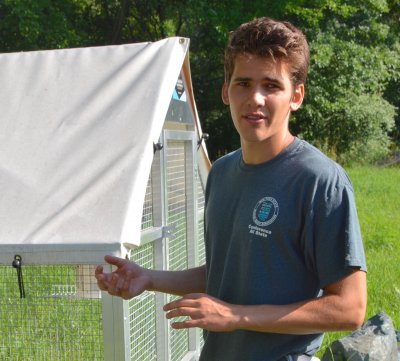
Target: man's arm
column 130, row 280
column 342, row 307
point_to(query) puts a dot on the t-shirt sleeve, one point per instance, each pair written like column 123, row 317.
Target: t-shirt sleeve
column 337, row 241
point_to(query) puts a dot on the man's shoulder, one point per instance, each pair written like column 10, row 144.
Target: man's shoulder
column 227, row 160
column 314, row 164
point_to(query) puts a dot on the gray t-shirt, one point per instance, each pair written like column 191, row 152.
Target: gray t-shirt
column 276, row 233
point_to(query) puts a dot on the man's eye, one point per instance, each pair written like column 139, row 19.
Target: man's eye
column 243, row 84
column 271, row 86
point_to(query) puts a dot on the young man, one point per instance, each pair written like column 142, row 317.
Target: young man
column 284, row 255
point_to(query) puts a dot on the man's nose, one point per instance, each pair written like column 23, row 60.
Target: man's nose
column 257, row 97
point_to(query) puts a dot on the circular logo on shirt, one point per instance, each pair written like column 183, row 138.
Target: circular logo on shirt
column 265, row 212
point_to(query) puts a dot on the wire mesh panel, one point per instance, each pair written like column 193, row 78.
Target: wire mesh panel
column 200, row 222
column 142, row 311
column 57, row 320
column 177, row 247
column 147, row 215
column 174, row 213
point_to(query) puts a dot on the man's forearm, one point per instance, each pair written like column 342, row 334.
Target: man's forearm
column 343, row 309
column 178, row 282
column 313, row 316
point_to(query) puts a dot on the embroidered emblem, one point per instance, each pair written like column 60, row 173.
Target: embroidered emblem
column 265, row 212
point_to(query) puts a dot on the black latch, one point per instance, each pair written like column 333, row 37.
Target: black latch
column 17, row 264
column 204, row 137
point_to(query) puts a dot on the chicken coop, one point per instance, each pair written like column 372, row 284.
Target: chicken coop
column 101, row 152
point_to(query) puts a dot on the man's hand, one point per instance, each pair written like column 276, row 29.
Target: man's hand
column 203, row 311
column 127, row 281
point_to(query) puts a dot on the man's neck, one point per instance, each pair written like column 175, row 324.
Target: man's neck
column 261, row 152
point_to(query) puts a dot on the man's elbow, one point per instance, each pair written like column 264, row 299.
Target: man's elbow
column 356, row 321
column 354, row 300
column 349, row 297
column 355, row 314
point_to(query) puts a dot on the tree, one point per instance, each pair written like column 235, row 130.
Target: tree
column 38, row 24
column 392, row 91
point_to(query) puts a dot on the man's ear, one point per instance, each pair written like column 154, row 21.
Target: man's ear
column 224, row 93
column 297, row 98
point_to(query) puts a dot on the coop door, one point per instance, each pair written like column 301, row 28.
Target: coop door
column 181, row 220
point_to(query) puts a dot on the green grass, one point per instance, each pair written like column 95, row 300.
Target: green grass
column 377, row 193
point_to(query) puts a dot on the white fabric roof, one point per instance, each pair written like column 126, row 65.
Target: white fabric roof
column 77, row 128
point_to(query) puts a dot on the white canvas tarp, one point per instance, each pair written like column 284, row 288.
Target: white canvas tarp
column 77, row 128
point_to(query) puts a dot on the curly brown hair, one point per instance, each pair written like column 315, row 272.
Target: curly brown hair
column 265, row 37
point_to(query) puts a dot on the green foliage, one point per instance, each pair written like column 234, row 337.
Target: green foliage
column 353, row 129
column 349, row 110
column 37, row 24
column 344, row 112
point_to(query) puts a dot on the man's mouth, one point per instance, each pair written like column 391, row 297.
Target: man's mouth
column 255, row 118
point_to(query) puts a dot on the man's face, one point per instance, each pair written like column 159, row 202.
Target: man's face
column 261, row 97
